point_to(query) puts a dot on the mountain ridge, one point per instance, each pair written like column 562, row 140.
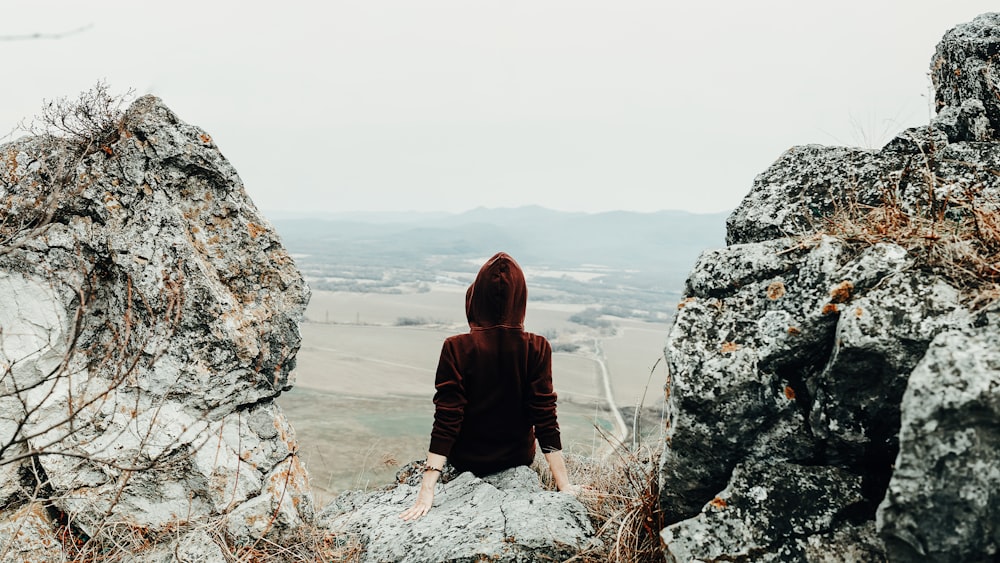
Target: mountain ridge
column 658, row 247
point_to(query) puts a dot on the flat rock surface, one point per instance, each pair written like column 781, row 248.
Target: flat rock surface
column 501, row 517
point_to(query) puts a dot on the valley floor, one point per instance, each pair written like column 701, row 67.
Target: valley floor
column 361, row 405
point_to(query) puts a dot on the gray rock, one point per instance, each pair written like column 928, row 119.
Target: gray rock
column 942, row 500
column 881, row 335
column 964, row 69
column 794, row 354
column 810, row 183
column 778, row 512
column 730, row 353
column 794, row 348
column 149, row 318
column 501, row 517
column 26, row 534
column 196, row 546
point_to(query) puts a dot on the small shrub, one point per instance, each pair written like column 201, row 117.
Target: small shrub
column 92, row 121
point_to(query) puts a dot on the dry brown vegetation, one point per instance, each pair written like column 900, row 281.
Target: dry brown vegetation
column 621, row 495
column 948, row 226
column 125, row 543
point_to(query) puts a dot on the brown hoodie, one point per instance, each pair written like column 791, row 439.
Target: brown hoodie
column 494, row 384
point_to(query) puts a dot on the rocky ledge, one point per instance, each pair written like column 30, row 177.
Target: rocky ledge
column 833, row 392
column 505, row 517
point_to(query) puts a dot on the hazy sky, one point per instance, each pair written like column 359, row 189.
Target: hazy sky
column 447, row 105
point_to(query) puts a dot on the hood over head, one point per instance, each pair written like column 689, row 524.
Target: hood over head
column 499, row 295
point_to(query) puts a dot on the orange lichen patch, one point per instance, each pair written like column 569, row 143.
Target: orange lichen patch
column 830, row 309
column 684, row 302
column 729, row 347
column 255, row 229
column 280, row 257
column 205, row 138
column 841, row 292
column 858, row 311
column 789, row 393
column 718, row 503
column 107, row 150
column 794, row 330
column 282, row 431
column 775, row 291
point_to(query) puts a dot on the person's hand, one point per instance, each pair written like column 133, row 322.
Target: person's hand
column 571, row 489
column 425, row 499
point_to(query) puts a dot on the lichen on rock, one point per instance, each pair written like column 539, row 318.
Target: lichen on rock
column 841, row 333
column 149, row 318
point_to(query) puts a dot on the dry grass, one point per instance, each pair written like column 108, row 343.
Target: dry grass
column 121, row 543
column 949, row 227
column 310, row 544
column 621, row 494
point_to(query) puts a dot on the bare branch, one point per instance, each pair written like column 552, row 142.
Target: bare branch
column 39, row 35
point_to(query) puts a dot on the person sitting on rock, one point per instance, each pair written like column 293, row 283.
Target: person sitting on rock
column 494, row 394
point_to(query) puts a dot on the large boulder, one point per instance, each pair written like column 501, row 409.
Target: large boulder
column 965, row 77
column 800, row 354
column 505, row 517
column 804, row 348
column 149, row 318
column 942, row 500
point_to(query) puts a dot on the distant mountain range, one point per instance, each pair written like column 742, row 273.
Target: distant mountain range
column 652, row 250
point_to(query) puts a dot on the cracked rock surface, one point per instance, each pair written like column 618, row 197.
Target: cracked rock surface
column 148, row 318
column 504, row 517
column 777, row 512
column 838, row 396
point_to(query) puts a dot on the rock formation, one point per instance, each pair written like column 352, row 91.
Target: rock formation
column 148, row 318
column 501, row 517
column 833, row 390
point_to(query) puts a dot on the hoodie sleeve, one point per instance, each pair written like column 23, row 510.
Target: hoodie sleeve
column 542, row 402
column 449, row 402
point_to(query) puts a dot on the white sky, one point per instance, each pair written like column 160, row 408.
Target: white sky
column 577, row 105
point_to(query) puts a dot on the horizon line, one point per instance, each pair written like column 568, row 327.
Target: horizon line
column 390, row 212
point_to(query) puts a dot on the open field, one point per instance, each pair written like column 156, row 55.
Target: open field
column 359, row 442
column 361, row 405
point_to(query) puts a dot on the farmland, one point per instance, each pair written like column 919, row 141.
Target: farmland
column 388, row 290
column 362, row 398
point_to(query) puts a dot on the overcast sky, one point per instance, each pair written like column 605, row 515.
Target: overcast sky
column 425, row 105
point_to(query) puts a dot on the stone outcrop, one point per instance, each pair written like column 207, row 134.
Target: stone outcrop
column 811, row 374
column 505, row 517
column 778, row 512
column 942, row 500
column 148, row 318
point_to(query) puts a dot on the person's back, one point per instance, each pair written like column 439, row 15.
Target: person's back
column 506, row 386
column 494, row 394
